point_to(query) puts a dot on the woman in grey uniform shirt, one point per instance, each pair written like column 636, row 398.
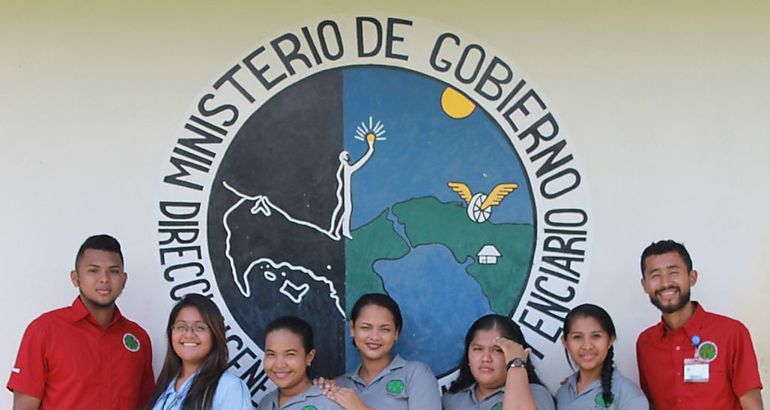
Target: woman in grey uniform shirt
column 492, row 345
column 588, row 337
column 289, row 352
column 383, row 381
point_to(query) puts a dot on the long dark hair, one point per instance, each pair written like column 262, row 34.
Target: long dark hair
column 605, row 321
column 201, row 393
column 508, row 330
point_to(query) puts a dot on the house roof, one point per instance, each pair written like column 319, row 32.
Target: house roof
column 488, row 250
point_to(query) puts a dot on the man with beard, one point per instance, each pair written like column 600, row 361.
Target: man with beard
column 87, row 355
column 692, row 359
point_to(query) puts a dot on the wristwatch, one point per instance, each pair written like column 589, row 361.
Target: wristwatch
column 517, row 363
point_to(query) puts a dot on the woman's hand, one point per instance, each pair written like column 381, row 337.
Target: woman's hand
column 345, row 397
column 511, row 349
column 517, row 395
column 324, row 384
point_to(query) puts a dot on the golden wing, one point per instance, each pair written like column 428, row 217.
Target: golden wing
column 498, row 194
column 462, row 190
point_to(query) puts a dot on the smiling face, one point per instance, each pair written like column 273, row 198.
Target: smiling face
column 100, row 278
column 486, row 360
column 667, row 281
column 374, row 332
column 286, row 361
column 588, row 344
column 191, row 337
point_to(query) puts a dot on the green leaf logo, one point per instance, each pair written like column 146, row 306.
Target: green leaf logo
column 707, row 351
column 395, row 386
column 131, row 342
column 599, row 399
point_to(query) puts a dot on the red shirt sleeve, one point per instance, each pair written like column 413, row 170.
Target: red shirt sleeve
column 745, row 373
column 148, row 378
column 29, row 372
column 639, row 365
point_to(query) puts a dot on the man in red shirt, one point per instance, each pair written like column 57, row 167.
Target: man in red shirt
column 86, row 356
column 692, row 359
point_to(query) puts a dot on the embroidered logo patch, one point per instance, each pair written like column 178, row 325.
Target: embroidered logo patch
column 707, row 351
column 395, row 386
column 131, row 342
column 498, row 406
column 599, row 399
column 310, row 407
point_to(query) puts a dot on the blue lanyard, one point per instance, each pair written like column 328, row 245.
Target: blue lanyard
column 177, row 396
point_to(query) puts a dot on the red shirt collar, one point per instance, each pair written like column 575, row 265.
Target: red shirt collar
column 691, row 327
column 78, row 311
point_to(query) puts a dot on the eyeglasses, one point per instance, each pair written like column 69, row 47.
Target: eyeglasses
column 197, row 328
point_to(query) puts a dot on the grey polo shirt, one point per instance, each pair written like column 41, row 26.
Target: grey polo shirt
column 401, row 385
column 465, row 399
column 310, row 399
column 628, row 396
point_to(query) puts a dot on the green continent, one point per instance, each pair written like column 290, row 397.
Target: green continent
column 372, row 242
column 429, row 221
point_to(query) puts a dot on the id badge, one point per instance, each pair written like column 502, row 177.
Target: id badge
column 696, row 371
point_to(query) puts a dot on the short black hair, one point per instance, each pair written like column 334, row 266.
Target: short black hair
column 101, row 242
column 666, row 246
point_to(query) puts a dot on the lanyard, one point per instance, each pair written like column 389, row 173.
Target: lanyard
column 177, row 396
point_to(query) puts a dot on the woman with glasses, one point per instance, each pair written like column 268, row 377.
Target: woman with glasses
column 193, row 374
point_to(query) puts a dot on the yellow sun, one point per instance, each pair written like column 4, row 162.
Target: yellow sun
column 456, row 105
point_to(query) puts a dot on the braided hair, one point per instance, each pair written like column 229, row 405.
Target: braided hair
column 605, row 321
column 607, row 369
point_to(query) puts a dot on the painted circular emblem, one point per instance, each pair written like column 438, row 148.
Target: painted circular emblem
column 335, row 160
column 707, row 351
column 395, row 386
column 131, row 343
column 599, row 399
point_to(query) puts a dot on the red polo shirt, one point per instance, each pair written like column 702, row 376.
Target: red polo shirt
column 68, row 361
column 660, row 354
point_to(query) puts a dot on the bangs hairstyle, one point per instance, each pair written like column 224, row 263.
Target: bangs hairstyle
column 201, row 393
column 508, row 330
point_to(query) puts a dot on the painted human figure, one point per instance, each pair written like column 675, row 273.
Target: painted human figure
column 342, row 225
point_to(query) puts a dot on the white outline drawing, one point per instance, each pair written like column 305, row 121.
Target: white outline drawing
column 339, row 225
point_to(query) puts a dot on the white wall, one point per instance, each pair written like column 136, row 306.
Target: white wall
column 668, row 108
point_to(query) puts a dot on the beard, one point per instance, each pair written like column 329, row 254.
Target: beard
column 684, row 299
